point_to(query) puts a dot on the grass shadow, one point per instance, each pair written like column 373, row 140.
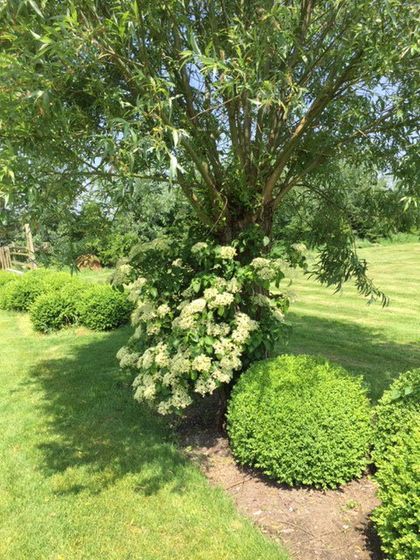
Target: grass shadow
column 96, row 432
column 361, row 350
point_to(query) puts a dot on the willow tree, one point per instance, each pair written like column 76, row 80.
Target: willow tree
column 237, row 102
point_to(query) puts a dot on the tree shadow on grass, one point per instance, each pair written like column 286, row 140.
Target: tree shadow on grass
column 96, row 433
column 361, row 350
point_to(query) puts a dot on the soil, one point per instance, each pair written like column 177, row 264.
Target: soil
column 310, row 524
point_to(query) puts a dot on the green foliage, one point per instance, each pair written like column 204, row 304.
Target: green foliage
column 300, row 420
column 397, row 518
column 19, row 295
column 6, row 277
column 396, row 411
column 56, row 299
column 102, row 308
column 233, row 104
column 203, row 313
column 51, row 312
column 58, row 308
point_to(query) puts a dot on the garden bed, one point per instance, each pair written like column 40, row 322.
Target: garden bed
column 312, row 524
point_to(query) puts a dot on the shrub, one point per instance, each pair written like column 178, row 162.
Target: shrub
column 300, row 420
column 103, row 308
column 397, row 518
column 51, row 312
column 397, row 409
column 203, row 313
column 6, row 277
column 54, row 310
column 20, row 294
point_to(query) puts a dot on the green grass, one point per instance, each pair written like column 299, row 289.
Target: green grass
column 376, row 342
column 86, row 473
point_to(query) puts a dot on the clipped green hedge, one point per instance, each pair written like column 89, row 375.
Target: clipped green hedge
column 397, row 409
column 20, row 294
column 300, row 420
column 57, row 299
column 103, row 308
column 54, row 310
column 397, row 519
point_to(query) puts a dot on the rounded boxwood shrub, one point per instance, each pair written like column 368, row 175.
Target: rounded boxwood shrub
column 301, row 420
column 397, row 519
column 54, row 310
column 103, row 308
column 398, row 408
column 50, row 311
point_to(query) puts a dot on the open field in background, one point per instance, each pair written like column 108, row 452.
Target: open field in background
column 367, row 339
column 86, row 473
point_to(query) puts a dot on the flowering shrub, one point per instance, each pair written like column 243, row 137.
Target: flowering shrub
column 201, row 316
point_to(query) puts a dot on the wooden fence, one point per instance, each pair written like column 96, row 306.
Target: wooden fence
column 26, row 255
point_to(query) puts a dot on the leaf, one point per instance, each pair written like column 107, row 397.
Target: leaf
column 35, row 7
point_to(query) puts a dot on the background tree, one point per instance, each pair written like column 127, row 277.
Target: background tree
column 239, row 102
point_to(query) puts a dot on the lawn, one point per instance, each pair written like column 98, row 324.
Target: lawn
column 367, row 339
column 86, row 473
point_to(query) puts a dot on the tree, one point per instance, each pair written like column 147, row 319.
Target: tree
column 241, row 101
column 236, row 102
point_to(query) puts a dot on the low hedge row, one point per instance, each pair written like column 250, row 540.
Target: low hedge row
column 57, row 299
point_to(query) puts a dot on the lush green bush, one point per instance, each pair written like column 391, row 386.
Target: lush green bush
column 397, row 518
column 397, row 409
column 50, row 311
column 300, row 420
column 6, row 277
column 103, row 308
column 54, row 310
column 19, row 295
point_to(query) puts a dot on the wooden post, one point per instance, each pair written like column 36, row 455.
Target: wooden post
column 30, row 246
column 8, row 259
column 2, row 259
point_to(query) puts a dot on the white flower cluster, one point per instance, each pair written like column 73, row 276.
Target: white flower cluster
column 198, row 247
column 135, row 288
column 215, row 299
column 266, row 269
column 191, row 348
column 227, row 252
column 264, row 301
column 178, row 367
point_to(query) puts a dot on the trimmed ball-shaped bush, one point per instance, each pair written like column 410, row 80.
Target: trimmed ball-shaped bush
column 398, row 408
column 102, row 308
column 301, row 421
column 54, row 310
column 397, row 519
column 50, row 312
